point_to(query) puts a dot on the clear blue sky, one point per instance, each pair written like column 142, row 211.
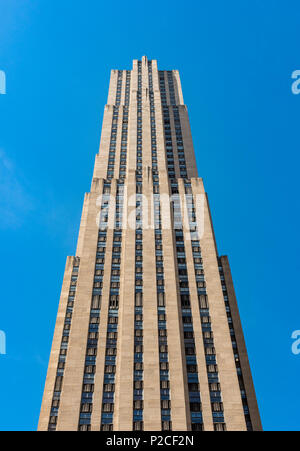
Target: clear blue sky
column 235, row 58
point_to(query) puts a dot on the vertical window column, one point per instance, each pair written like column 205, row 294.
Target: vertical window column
column 138, row 375
column 160, row 283
column 114, row 128
column 207, row 333
column 138, row 394
column 235, row 350
column 107, row 412
column 188, row 330
column 63, row 349
column 123, row 155
column 179, row 142
column 86, row 407
column 167, row 127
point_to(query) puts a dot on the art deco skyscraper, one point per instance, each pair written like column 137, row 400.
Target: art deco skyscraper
column 148, row 335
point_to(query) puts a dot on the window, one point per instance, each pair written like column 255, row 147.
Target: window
column 58, row 383
column 108, row 407
column 161, row 299
column 220, row 427
column 138, row 385
column 86, row 408
column 96, row 302
column 138, row 426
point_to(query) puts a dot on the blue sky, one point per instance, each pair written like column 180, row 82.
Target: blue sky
column 235, row 59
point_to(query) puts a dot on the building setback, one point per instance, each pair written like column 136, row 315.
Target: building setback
column 148, row 335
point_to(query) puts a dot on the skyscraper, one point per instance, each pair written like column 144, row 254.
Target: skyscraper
column 148, row 335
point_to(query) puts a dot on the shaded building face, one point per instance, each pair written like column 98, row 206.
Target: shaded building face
column 148, row 335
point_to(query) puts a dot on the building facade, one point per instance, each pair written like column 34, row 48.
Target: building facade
column 148, row 335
